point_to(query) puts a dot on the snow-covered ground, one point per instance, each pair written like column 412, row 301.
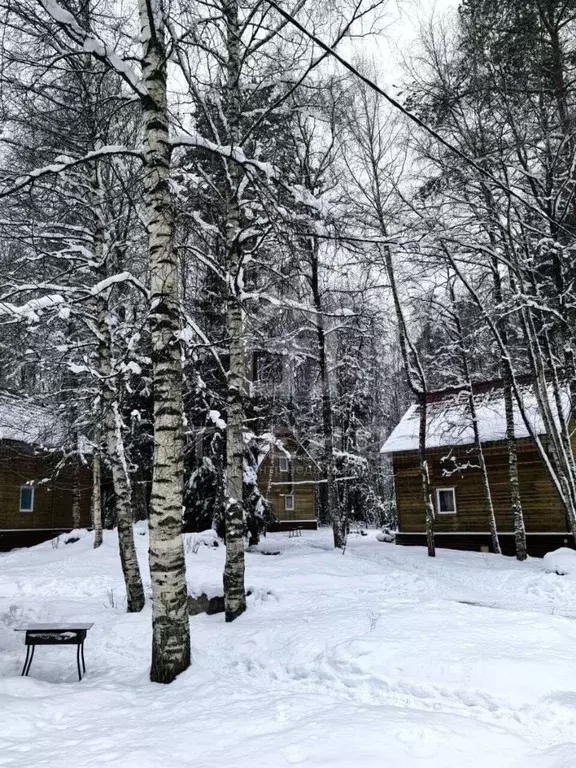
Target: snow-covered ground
column 378, row 657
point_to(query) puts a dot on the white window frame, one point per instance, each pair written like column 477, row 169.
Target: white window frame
column 289, row 502
column 453, row 492
column 31, row 509
column 283, row 464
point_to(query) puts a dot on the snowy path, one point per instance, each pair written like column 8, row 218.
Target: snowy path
column 380, row 657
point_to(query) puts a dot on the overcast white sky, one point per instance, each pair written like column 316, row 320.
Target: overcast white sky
column 402, row 21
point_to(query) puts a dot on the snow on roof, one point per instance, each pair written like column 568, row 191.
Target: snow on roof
column 449, row 422
column 27, row 422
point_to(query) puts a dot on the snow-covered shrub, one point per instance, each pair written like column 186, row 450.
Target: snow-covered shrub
column 260, row 594
column 266, row 548
column 193, row 541
column 386, row 535
column 561, row 561
column 73, row 536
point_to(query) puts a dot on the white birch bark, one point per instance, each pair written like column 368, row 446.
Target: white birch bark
column 515, row 498
column 544, row 365
column 76, row 498
column 374, row 142
column 336, row 510
column 170, row 623
column 488, row 503
column 97, row 492
column 114, row 447
column 487, row 492
column 510, row 392
column 417, row 382
column 234, row 589
column 425, row 476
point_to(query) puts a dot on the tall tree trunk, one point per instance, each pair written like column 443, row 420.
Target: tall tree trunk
column 425, row 476
column 76, row 497
column 170, row 622
column 234, row 589
column 418, row 384
column 413, row 367
column 97, row 492
column 506, row 373
column 487, row 493
column 336, row 510
column 113, row 442
column 515, row 499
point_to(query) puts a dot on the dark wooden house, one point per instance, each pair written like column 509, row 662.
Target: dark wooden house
column 37, row 486
column 456, row 481
column 287, row 478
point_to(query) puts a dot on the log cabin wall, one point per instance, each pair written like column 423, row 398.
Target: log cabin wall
column 543, row 513
column 21, row 464
column 299, row 481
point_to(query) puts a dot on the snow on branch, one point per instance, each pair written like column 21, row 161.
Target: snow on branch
column 224, row 150
column 31, row 309
column 236, row 154
column 121, row 277
column 191, row 330
column 290, row 304
column 59, row 167
column 92, row 45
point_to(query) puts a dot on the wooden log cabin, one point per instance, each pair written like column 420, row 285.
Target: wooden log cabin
column 287, row 478
column 37, row 487
column 460, row 518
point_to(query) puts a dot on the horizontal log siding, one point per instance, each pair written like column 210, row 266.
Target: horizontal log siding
column 300, row 482
column 19, row 465
column 542, row 510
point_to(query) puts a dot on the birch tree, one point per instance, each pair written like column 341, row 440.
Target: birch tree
column 374, row 176
column 79, row 237
column 171, row 651
column 170, row 624
column 237, row 121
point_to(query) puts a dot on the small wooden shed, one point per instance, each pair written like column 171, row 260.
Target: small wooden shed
column 37, row 488
column 456, row 481
column 287, row 478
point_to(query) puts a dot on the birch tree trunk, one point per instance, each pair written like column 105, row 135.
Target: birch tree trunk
column 234, row 589
column 425, row 476
column 76, row 512
column 97, row 492
column 373, row 139
column 488, row 503
column 113, row 442
column 487, row 492
column 547, row 376
column 336, row 510
column 170, row 623
column 417, row 382
column 515, row 498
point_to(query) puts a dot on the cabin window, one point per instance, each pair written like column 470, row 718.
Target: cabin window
column 289, row 503
column 26, row 498
column 283, row 464
column 446, row 501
